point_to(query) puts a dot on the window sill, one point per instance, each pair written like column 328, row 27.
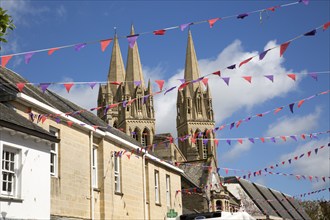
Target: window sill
column 96, row 189
column 119, row 193
column 158, row 204
column 11, row 199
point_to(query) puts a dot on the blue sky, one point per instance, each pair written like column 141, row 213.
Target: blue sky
column 46, row 24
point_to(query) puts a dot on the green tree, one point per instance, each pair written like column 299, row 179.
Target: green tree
column 6, row 23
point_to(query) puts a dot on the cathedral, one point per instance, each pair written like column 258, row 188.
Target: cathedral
column 196, row 155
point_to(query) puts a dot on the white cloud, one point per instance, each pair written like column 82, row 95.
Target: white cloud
column 236, row 151
column 61, row 12
column 294, row 125
column 315, row 165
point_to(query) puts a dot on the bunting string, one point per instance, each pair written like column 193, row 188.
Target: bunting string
column 311, row 193
column 132, row 38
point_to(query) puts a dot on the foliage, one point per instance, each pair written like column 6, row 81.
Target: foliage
column 317, row 210
column 5, row 23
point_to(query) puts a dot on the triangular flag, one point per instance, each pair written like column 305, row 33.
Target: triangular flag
column 310, row 33
column 283, row 138
column 169, row 90
column 28, row 57
column 105, row 44
column 283, row 48
column 226, row 80
column 293, row 137
column 231, row 67
column 51, row 51
column 115, row 83
column 160, row 84
column 242, row 16
column 216, row 142
column 278, row 109
column 228, row 142
column 292, row 76
column 316, row 150
column 304, row 1
column 313, row 75
column 78, row 47
column 251, row 140
column 301, row 102
column 272, row 8
column 270, row 77
column 205, row 81
column 226, row 170
column 263, row 54
column 247, row 78
column 137, row 83
column 68, row 86
column 69, row 123
column 20, row 86
column 183, row 85
column 240, row 141
column 232, row 125
column 262, row 140
column 238, row 123
column 132, row 39
column 212, row 21
column 5, row 60
column 303, row 136
column 184, row 26
column 159, row 32
column 291, row 107
column 326, row 25
column 92, row 84
column 217, row 73
column 44, row 86
column 245, row 61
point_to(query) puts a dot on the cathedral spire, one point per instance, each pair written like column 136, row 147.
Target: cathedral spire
column 116, row 70
column 191, row 71
column 133, row 66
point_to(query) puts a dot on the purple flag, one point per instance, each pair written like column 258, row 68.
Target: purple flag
column 247, row 119
column 293, row 137
column 182, row 81
column 291, row 107
column 310, row 97
column 263, row 54
column 145, row 98
column 301, row 155
column 58, row 120
column 289, row 161
column 273, row 139
column 44, row 86
column 251, row 140
column 132, row 39
column 169, row 90
column 137, row 83
column 232, row 125
column 310, row 33
column 228, row 142
column 242, row 16
column 205, row 141
column 78, row 47
column 92, row 84
column 265, row 169
column 226, row 80
column 316, row 150
column 106, row 109
column 28, row 57
column 184, row 26
column 313, row 75
column 270, row 77
column 232, row 67
column 304, row 1
column 125, row 104
column 197, row 80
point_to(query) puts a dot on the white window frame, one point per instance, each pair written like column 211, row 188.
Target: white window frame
column 54, row 153
column 16, row 178
column 117, row 173
column 168, row 191
column 157, row 188
column 94, row 167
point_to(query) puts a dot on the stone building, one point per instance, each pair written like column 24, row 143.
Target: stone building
column 95, row 171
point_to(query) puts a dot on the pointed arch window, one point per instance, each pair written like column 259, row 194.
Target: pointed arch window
column 199, row 104
column 204, row 144
column 135, row 134
column 145, row 137
column 115, row 124
column 188, row 105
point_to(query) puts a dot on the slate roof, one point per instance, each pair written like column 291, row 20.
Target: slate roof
column 10, row 119
column 196, row 171
column 8, row 92
column 269, row 201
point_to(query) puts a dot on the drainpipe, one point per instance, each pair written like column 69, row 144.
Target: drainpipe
column 144, row 186
column 91, row 175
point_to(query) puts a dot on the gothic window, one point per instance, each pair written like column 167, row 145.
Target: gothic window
column 135, row 134
column 204, row 144
column 115, row 125
column 175, row 155
column 145, row 138
column 188, row 105
column 210, row 103
column 199, row 104
column 218, row 205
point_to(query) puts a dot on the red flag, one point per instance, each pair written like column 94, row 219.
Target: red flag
column 278, row 109
column 217, row 73
column 240, row 141
column 69, row 123
column 245, row 61
column 326, row 25
column 43, row 119
column 159, row 32
column 260, row 115
column 160, row 84
column 271, row 8
column 292, row 76
column 226, row 170
column 20, row 86
column 300, row 103
column 216, row 142
column 262, row 140
column 193, row 140
column 105, row 44
column 115, row 83
column 238, row 123
column 296, row 157
column 283, row 138
column 205, row 81
column 183, row 85
column 283, row 48
column 5, row 60
column 309, row 153
column 303, row 136
column 310, row 178
column 247, row 78
column 51, row 51
column 68, row 86
column 212, row 21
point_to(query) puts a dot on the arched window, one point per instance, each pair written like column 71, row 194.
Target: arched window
column 204, row 144
column 218, row 205
column 135, row 134
column 175, row 155
column 145, row 137
column 115, row 125
column 199, row 104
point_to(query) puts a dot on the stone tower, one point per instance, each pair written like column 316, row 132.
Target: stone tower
column 195, row 112
column 135, row 114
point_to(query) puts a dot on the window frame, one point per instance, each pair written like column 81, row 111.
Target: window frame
column 168, row 190
column 94, row 167
column 117, row 174
column 157, row 188
column 54, row 153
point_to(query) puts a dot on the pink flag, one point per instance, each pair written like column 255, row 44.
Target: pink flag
column 283, row 48
column 5, row 60
column 105, row 44
column 68, row 86
column 159, row 32
column 160, row 84
column 212, row 21
column 51, row 51
column 283, row 138
column 69, row 123
column 292, row 76
column 245, row 61
column 240, row 141
column 300, row 103
column 326, row 25
column 247, row 78
column 226, row 170
column 205, row 81
column 216, row 142
column 278, row 109
column 262, row 140
column 20, row 86
column 183, row 85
